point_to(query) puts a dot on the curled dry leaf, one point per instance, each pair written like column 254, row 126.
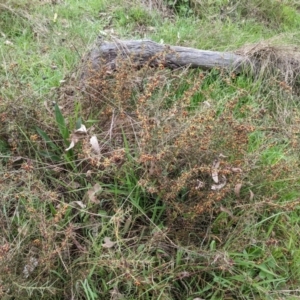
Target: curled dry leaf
column 215, row 172
column 29, row 268
column 217, row 187
column 8, row 43
column 95, row 145
column 79, row 203
column 200, row 184
column 224, row 209
column 237, row 189
column 82, row 129
column 89, row 173
column 207, row 103
column 76, row 136
column 251, row 195
column 236, row 170
column 72, row 144
column 108, row 243
column 93, row 191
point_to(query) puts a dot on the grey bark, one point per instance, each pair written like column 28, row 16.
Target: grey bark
column 142, row 52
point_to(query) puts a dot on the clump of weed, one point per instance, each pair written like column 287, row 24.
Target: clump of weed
column 273, row 60
column 184, row 151
column 189, row 188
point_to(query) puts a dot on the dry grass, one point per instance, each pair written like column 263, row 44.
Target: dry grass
column 194, row 192
column 269, row 59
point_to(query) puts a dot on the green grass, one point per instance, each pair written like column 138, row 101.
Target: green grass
column 135, row 222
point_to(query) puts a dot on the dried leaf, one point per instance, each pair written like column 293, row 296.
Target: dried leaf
column 82, row 129
column 251, row 195
column 8, row 43
column 221, row 155
column 224, row 209
column 217, row 187
column 89, row 173
column 184, row 274
column 93, row 191
column 55, row 17
column 95, row 144
column 29, row 268
column 215, row 176
column 72, row 144
column 216, row 164
column 200, row 184
column 237, row 189
column 76, row 136
column 236, row 170
column 215, row 172
column 108, row 243
column 79, row 203
column 101, row 32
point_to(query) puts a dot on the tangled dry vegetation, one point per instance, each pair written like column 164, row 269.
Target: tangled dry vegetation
column 180, row 149
column 149, row 183
column 274, row 60
column 155, row 116
column 164, row 153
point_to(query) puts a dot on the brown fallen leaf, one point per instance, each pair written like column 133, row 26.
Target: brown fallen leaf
column 29, row 268
column 236, row 170
column 78, row 203
column 8, row 43
column 76, row 136
column 95, row 145
column 89, row 173
column 93, row 191
column 224, row 209
column 215, row 171
column 200, row 184
column 217, row 187
column 82, row 129
column 251, row 195
column 237, row 189
column 108, row 243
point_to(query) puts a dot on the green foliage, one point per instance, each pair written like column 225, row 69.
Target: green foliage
column 55, row 152
column 182, row 7
column 60, row 120
column 133, row 16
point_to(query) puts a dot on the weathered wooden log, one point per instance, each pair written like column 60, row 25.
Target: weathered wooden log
column 142, row 52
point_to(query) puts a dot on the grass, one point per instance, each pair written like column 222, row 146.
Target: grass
column 145, row 219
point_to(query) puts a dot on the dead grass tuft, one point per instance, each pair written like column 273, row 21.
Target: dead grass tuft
column 272, row 59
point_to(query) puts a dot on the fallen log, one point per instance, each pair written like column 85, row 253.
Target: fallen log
column 142, row 52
